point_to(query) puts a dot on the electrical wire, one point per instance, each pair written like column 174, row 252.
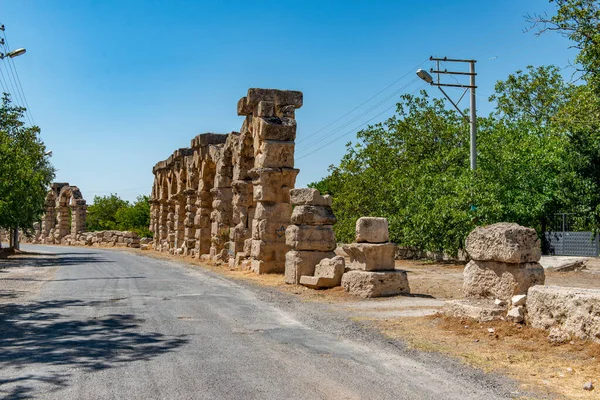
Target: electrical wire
column 20, row 93
column 353, row 130
column 363, row 103
column 394, row 94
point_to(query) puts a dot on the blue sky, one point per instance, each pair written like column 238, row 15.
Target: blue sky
column 116, row 86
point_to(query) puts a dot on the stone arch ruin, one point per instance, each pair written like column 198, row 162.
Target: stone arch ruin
column 65, row 213
column 226, row 197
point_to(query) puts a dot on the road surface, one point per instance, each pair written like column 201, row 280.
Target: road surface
column 116, row 325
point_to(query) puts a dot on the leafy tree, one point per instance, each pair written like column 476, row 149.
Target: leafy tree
column 101, row 215
column 113, row 213
column 25, row 171
column 135, row 217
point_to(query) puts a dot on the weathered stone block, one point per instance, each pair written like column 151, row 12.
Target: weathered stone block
column 267, row 266
column 375, row 283
column 269, row 251
column 274, row 128
column 313, row 215
column 482, row 310
column 298, row 263
column 504, row 242
column 328, row 274
column 370, row 256
column 309, row 196
column 273, row 184
column 274, row 154
column 313, row 238
column 265, row 109
column 575, row 311
column 498, row 280
column 272, row 230
column 279, row 211
column 372, row 230
column 279, row 97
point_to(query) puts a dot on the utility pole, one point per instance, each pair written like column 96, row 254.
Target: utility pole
column 473, row 119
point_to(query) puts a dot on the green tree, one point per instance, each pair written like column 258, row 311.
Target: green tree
column 135, row 217
column 25, row 171
column 102, row 214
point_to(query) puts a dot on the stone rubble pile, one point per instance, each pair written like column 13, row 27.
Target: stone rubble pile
column 371, row 272
column 310, row 236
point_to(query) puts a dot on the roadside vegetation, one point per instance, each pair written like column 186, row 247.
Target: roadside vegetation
column 538, row 152
column 25, row 169
column 113, row 213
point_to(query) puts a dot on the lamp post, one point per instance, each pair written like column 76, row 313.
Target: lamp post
column 12, row 54
column 473, row 118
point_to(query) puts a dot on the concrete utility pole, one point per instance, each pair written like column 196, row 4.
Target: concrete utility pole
column 473, row 120
column 14, row 234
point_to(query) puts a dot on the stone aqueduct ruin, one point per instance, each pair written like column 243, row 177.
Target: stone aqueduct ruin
column 227, row 196
column 65, row 213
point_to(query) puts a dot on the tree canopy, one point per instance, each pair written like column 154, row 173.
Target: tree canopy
column 25, row 170
column 113, row 213
column 538, row 154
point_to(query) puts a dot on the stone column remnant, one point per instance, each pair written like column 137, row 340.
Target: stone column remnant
column 271, row 115
column 504, row 261
column 311, row 237
column 371, row 270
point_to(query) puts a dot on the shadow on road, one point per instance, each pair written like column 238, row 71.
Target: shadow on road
column 52, row 260
column 41, row 334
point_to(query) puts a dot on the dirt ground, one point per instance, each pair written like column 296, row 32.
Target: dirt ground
column 22, row 276
column 554, row 371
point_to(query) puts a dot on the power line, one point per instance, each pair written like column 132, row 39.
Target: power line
column 394, row 94
column 15, row 75
column 357, row 127
column 363, row 103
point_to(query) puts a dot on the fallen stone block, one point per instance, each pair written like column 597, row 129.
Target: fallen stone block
column 518, row 300
column 370, row 256
column 515, row 314
column 372, row 230
column 311, row 238
column 328, row 274
column 572, row 310
column 299, row 263
column 375, row 283
column 498, row 280
column 481, row 310
column 504, row 242
column 577, row 265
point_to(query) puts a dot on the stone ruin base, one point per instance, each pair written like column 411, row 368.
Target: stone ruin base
column 573, row 311
column 328, row 273
column 482, row 310
column 96, row 239
column 500, row 280
column 375, row 283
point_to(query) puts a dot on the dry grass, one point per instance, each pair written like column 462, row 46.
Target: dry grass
column 521, row 352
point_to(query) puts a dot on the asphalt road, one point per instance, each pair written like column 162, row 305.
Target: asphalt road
column 115, row 325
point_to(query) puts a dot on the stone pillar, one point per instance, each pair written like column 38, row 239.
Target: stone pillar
column 243, row 202
column 48, row 221
column 78, row 217
column 204, row 206
column 221, row 215
column 271, row 114
column 372, row 262
column 310, row 237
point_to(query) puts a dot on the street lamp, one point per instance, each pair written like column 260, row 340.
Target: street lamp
column 13, row 54
column 473, row 119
